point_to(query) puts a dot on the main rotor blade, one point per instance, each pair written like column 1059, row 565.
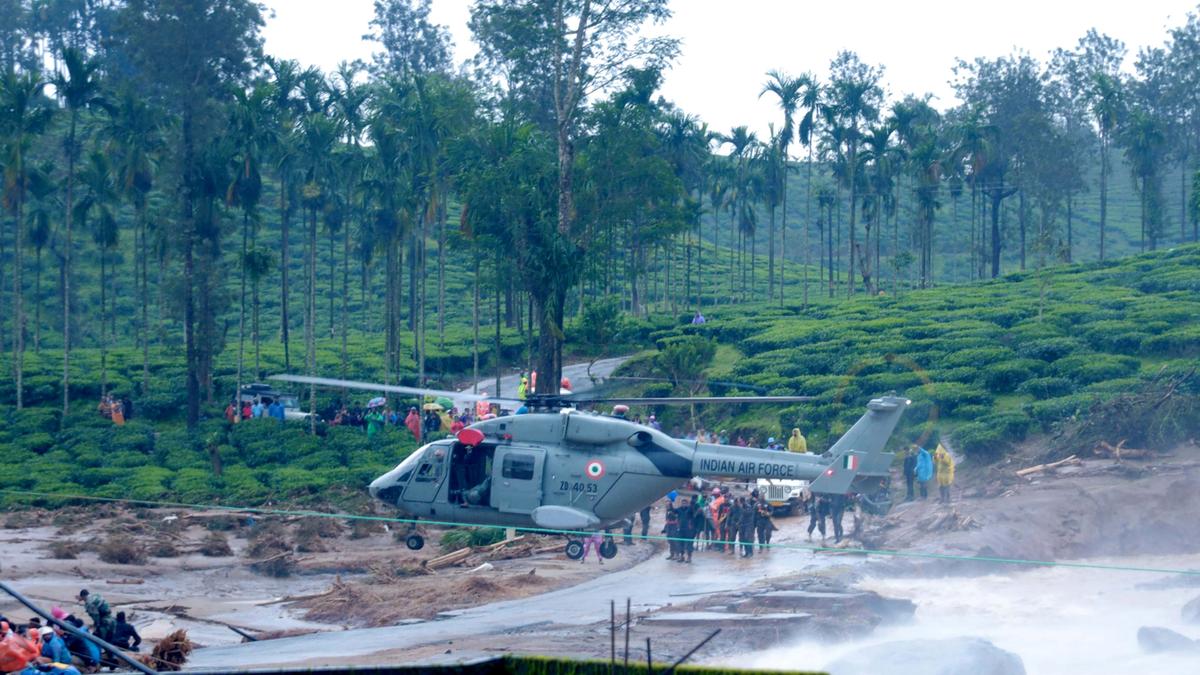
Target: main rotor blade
column 686, row 400
column 392, row 388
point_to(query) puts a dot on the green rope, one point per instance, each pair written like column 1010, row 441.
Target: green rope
column 583, row 533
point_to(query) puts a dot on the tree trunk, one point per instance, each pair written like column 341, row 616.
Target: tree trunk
column 997, row 196
column 345, row 296
column 783, row 251
column 441, row 277
column 310, row 319
column 37, row 305
column 67, row 218
column 1021, row 213
column 18, row 345
column 475, row 329
column 771, row 258
column 241, row 357
column 285, row 216
column 143, row 257
column 853, row 158
column 1103, row 188
column 1070, row 227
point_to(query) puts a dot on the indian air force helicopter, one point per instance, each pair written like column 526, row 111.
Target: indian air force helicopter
column 560, row 469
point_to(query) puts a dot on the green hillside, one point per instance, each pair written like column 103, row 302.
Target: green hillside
column 991, row 361
column 988, row 362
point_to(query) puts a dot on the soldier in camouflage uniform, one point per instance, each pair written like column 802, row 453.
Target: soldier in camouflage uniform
column 97, row 608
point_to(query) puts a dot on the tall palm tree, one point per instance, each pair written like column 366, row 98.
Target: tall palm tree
column 812, row 101
column 319, row 136
column 134, row 135
column 98, row 203
column 1145, row 139
column 745, row 146
column 249, row 126
column 790, row 92
column 854, row 108
column 78, row 86
column 285, row 77
column 1107, row 101
column 879, row 158
column 24, row 114
column 351, row 102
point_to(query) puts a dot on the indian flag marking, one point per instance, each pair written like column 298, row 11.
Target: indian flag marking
column 850, row 462
column 594, row 469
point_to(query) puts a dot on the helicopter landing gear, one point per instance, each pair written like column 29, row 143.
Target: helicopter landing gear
column 574, row 549
column 414, row 542
column 608, row 549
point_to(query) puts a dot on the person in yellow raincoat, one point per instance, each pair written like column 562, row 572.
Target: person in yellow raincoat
column 523, row 388
column 797, row 442
column 944, row 464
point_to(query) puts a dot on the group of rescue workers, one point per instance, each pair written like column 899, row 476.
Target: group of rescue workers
column 34, row 647
column 921, row 467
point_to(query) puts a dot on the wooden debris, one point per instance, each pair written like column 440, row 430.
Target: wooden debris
column 1120, row 452
column 449, row 559
column 171, row 652
column 553, row 548
column 949, row 521
column 501, row 544
column 1072, row 460
column 127, row 582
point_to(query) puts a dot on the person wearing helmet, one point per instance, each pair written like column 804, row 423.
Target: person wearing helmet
column 565, row 386
column 53, row 646
column 523, row 388
column 620, row 411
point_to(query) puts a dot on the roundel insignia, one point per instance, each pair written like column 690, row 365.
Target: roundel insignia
column 594, row 469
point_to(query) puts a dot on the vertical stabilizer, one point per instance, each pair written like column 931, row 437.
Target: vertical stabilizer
column 859, row 452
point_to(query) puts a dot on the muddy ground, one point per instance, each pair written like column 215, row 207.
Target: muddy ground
column 337, row 577
column 542, row 603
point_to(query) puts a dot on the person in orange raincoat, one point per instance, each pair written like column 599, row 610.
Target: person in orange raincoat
column 413, row 422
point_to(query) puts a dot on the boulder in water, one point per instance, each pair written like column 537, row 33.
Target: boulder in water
column 1154, row 639
column 1191, row 611
column 957, row 656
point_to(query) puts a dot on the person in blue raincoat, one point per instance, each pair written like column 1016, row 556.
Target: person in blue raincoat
column 924, row 471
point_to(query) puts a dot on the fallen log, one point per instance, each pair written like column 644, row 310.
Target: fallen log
column 1073, row 459
column 449, row 559
column 501, row 544
column 127, row 582
column 1120, row 452
column 553, row 548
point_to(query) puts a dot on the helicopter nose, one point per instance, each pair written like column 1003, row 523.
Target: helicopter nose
column 385, row 489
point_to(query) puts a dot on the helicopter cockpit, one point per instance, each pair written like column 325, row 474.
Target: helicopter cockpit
column 420, row 477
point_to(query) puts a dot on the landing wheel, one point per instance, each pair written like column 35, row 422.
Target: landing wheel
column 608, row 549
column 414, row 542
column 575, row 549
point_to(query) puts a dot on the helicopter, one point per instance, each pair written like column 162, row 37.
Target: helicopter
column 558, row 468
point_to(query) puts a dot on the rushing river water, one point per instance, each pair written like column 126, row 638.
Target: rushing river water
column 1060, row 621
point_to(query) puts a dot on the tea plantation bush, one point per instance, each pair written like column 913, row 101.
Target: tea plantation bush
column 1003, row 358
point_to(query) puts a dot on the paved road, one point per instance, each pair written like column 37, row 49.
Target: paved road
column 651, row 584
column 576, row 373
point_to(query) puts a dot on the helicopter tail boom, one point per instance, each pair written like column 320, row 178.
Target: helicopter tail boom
column 857, row 453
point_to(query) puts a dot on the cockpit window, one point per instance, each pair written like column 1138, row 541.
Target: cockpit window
column 518, row 467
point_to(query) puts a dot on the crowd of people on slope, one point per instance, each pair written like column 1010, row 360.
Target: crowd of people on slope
column 921, row 467
column 34, row 647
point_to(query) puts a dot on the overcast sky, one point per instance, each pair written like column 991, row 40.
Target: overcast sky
column 728, row 45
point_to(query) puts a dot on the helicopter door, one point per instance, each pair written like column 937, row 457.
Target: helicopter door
column 517, row 479
column 427, row 478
